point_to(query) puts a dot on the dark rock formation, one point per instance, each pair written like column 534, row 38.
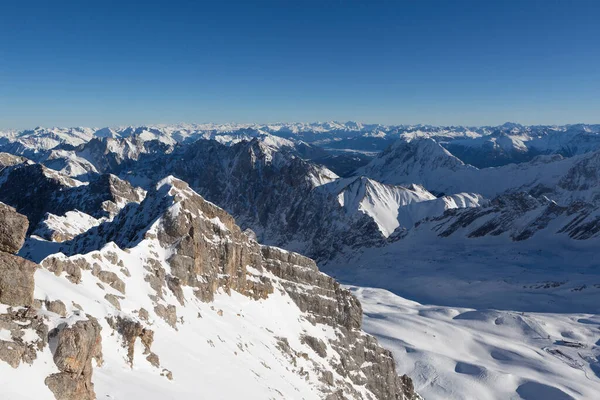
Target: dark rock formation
column 35, row 190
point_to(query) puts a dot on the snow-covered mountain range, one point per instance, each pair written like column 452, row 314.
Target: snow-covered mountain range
column 479, row 146
column 468, row 219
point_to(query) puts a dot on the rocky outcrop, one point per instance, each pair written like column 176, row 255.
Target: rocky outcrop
column 189, row 250
column 21, row 349
column 16, row 280
column 361, row 360
column 13, row 227
column 16, row 273
column 519, row 215
column 209, row 253
column 130, row 331
column 35, row 190
column 72, row 267
column 212, row 253
column 76, row 346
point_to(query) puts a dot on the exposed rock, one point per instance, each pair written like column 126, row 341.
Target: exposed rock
column 17, row 350
column 169, row 314
column 111, row 279
column 153, row 359
column 143, row 314
column 362, row 360
column 13, row 227
column 114, row 300
column 210, row 253
column 16, row 280
column 76, row 346
column 166, row 373
column 520, row 215
column 56, row 306
column 130, row 331
column 316, row 344
column 175, row 285
column 71, row 266
column 35, row 190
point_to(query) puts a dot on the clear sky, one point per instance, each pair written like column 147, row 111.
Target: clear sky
column 104, row 63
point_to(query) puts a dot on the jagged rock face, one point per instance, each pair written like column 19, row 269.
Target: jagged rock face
column 76, row 346
column 30, row 190
column 35, row 190
column 13, row 227
column 362, row 360
column 583, row 176
column 16, row 280
column 322, row 297
column 22, row 349
column 315, row 293
column 283, row 198
column 208, row 249
column 204, row 253
column 16, row 273
column 520, row 215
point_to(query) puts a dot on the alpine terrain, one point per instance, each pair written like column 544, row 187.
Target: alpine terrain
column 184, row 261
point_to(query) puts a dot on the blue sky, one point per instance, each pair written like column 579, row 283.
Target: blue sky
column 70, row 63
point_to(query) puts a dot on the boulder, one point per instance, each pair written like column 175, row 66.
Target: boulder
column 76, row 346
column 13, row 227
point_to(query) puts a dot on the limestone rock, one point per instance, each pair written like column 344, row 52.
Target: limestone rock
column 16, row 280
column 169, row 314
column 18, row 350
column 111, row 279
column 76, row 346
column 130, row 331
column 316, row 344
column 13, row 227
column 56, row 306
column 114, row 300
column 72, row 267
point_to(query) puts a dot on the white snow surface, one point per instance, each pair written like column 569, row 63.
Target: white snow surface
column 393, row 206
column 465, row 353
column 69, row 225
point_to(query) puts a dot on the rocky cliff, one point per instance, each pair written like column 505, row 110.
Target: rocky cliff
column 172, row 287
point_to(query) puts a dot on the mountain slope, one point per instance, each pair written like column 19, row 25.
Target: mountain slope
column 466, row 353
column 427, row 163
column 174, row 287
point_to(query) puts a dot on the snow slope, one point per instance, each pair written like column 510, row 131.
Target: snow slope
column 222, row 316
column 426, row 162
column 393, row 206
column 465, row 353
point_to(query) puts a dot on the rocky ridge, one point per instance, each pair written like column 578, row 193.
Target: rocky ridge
column 147, row 274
